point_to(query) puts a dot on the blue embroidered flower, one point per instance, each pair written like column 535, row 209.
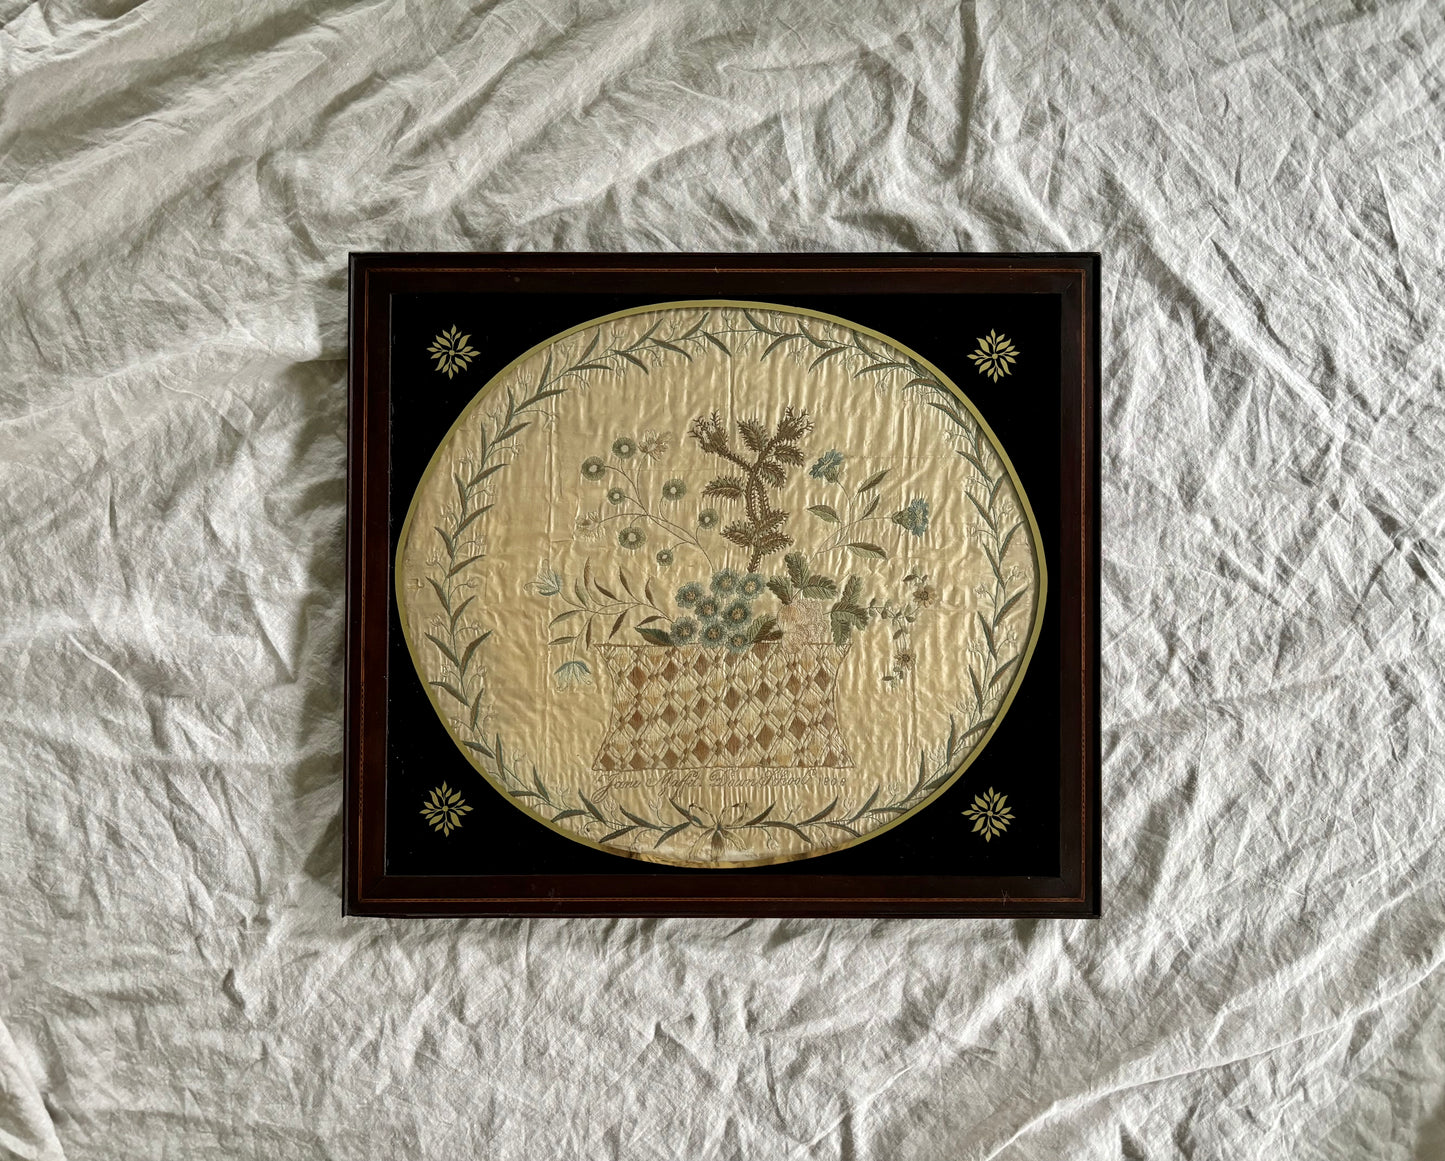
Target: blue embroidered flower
column 708, row 518
column 738, row 613
column 632, row 538
column 751, row 585
column 684, row 631
column 739, row 641
column 664, row 557
column 725, row 582
column 714, row 635
column 829, row 467
column 708, row 607
column 593, row 469
column 689, row 594
column 914, row 517
column 616, row 496
column 674, row 490
column 624, row 447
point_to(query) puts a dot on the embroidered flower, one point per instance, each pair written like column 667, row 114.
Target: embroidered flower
column 829, row 467
column 588, row 525
column 707, row 518
column 572, row 675
column 444, row 809
column 689, row 594
column 547, row 582
column 707, row 607
column 616, row 496
column 632, row 538
column 725, row 582
column 737, row 613
column 714, row 635
column 674, row 490
column 593, row 469
column 624, row 447
column 924, row 594
column 664, row 557
column 914, row 517
column 684, row 631
column 654, row 444
column 739, row 641
column 989, row 813
column 904, row 659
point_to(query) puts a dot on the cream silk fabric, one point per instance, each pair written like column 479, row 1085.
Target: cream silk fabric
column 181, row 182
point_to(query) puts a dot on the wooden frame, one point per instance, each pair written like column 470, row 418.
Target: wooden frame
column 797, row 891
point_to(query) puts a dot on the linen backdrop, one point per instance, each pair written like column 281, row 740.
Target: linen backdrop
column 180, row 183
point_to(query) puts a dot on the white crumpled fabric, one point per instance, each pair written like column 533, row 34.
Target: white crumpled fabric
column 180, row 183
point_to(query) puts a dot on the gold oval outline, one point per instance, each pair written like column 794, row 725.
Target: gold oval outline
column 741, row 304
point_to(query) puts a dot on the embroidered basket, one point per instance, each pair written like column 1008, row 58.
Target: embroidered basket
column 690, row 708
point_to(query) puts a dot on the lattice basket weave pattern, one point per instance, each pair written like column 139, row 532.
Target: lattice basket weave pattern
column 693, row 708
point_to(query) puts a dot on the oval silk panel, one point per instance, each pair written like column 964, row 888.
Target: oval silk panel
column 718, row 584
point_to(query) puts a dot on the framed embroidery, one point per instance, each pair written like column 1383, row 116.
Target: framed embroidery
column 722, row 585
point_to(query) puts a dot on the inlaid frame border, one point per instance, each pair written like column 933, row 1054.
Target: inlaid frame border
column 369, row 890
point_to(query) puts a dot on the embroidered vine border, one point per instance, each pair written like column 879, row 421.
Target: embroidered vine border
column 677, row 830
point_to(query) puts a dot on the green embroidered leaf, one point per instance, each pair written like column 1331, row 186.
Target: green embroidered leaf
column 873, row 481
column 786, row 453
column 618, row 833
column 838, row 350
column 851, row 589
column 446, row 651
column 797, row 567
column 871, row 551
column 765, row 629
column 880, row 367
column 988, row 634
column 456, row 613
column 573, row 813
column 605, row 591
column 591, row 807
column 648, row 620
column 667, row 834
column 451, row 689
column 441, row 595
column 872, row 507
column 626, row 584
column 820, row 588
column 1008, row 536
column 757, row 325
column 634, row 359
column 982, row 511
column 461, row 564
column 447, row 540
column 485, row 508
column 471, row 649
column 772, row 473
column 563, row 640
column 977, row 692
column 782, row 588
column 822, row 512
column 1007, row 605
column 825, row 811
column 511, row 431
column 617, row 624
column 483, row 474
column 656, row 636
column 770, row 542
column 479, row 747
column 672, row 347
column 740, row 534
column 563, row 616
column 999, row 672
column 717, row 342
column 476, row 712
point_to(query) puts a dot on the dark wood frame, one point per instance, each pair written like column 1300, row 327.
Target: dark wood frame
column 1073, row 582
